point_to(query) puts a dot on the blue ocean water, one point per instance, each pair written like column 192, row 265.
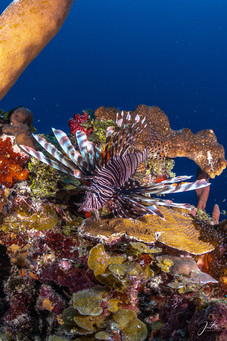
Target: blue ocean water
column 126, row 52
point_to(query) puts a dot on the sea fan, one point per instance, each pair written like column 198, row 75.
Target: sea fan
column 111, row 179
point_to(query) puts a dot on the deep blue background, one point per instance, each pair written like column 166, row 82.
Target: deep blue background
column 125, row 52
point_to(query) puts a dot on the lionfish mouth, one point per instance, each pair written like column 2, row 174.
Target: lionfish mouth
column 112, row 179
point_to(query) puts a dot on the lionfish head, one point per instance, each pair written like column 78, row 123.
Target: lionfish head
column 90, row 203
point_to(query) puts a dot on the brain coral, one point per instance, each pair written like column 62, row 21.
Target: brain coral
column 201, row 147
column 178, row 231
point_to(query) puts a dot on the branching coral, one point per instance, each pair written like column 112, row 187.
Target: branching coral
column 202, row 147
column 26, row 26
column 11, row 164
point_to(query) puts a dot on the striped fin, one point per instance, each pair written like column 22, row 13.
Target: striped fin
column 132, row 207
column 40, row 156
column 68, row 148
column 52, row 150
column 157, row 187
column 161, row 202
column 164, row 187
column 87, row 149
column 82, row 144
column 146, row 209
column 116, row 133
column 185, row 186
column 132, row 133
column 125, row 134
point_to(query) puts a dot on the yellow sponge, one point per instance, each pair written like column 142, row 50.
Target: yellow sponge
column 26, row 26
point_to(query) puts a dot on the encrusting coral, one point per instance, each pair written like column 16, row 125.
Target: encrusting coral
column 201, row 147
column 150, row 229
column 26, row 27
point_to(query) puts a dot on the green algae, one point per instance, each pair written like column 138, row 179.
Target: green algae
column 44, row 180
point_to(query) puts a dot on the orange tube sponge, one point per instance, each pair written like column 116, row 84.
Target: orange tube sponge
column 26, row 27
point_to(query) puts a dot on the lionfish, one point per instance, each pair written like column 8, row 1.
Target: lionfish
column 110, row 180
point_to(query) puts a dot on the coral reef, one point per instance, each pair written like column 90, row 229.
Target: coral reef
column 26, row 28
column 66, row 278
column 201, row 147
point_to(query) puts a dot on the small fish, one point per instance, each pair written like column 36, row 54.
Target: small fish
column 111, row 180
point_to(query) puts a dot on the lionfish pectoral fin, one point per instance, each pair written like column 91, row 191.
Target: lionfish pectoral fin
column 154, row 210
column 67, row 147
column 53, row 151
column 184, row 186
column 87, row 150
column 40, row 156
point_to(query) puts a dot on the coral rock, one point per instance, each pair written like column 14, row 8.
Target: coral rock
column 187, row 267
column 21, row 115
column 201, row 147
